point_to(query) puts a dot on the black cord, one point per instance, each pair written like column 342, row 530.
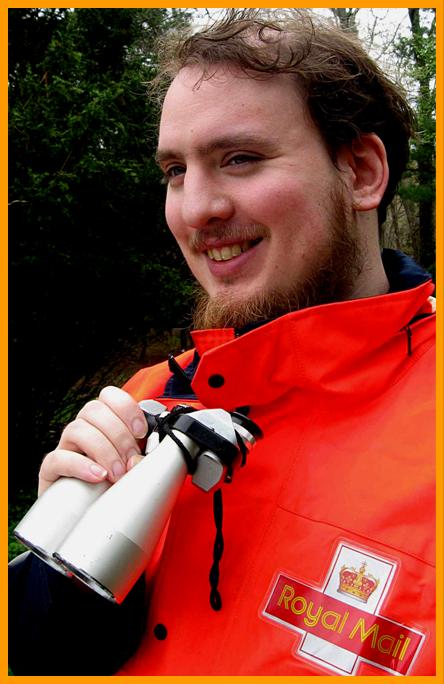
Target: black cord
column 164, row 428
column 179, row 373
column 218, row 549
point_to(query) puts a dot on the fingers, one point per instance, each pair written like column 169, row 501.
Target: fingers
column 105, row 431
column 102, row 435
column 86, row 438
column 61, row 462
column 123, row 405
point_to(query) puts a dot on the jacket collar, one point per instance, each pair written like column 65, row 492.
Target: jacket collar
column 344, row 348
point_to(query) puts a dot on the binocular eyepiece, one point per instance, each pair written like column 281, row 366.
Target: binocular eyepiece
column 105, row 534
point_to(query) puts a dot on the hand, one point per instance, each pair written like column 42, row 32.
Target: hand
column 100, row 443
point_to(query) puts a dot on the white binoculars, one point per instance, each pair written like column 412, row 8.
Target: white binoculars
column 106, row 534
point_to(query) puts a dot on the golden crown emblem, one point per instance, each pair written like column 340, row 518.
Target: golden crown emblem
column 357, row 583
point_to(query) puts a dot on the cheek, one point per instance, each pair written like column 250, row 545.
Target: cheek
column 299, row 223
column 170, row 213
column 283, row 208
column 304, row 200
column 173, row 219
column 277, row 197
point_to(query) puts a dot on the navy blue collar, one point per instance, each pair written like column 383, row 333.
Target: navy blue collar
column 402, row 271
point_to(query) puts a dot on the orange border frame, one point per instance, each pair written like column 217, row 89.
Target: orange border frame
column 439, row 4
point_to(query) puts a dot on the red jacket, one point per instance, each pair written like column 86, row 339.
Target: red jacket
column 328, row 565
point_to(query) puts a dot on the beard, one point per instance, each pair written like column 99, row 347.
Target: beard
column 331, row 277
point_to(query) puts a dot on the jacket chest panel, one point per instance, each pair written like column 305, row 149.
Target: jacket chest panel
column 368, row 474
column 302, row 493
column 347, row 472
column 240, row 639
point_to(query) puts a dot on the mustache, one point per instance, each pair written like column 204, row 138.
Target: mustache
column 228, row 232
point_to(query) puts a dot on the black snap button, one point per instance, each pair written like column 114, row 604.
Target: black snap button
column 160, row 632
column 216, row 381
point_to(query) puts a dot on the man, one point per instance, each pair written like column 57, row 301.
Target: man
column 282, row 145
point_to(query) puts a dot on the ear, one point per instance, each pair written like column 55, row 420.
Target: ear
column 364, row 163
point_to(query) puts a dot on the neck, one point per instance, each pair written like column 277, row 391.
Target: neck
column 372, row 280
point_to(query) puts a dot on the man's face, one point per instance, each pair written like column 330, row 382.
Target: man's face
column 253, row 200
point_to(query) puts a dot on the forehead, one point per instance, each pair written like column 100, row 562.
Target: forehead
column 229, row 101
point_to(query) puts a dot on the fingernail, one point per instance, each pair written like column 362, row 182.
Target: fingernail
column 132, row 452
column 97, row 471
column 118, row 469
column 139, row 427
column 134, row 460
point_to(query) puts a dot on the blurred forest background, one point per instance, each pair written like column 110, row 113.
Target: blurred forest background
column 97, row 286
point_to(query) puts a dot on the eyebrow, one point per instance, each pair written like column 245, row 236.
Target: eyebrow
column 221, row 143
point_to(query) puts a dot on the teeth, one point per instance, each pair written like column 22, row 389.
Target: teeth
column 227, row 252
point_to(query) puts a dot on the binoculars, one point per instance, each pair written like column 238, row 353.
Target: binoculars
column 105, row 534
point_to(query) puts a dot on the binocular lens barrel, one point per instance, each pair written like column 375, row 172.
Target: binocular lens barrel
column 106, row 535
column 55, row 514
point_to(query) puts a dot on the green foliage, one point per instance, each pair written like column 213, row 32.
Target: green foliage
column 88, row 242
column 417, row 55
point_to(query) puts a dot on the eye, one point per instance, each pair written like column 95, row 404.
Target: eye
column 244, row 158
column 172, row 172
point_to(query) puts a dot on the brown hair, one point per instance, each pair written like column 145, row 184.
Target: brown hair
column 345, row 91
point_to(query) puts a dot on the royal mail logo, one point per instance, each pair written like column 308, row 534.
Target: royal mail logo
column 356, row 583
column 341, row 623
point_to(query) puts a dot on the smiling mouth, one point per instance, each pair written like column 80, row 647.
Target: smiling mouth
column 228, row 252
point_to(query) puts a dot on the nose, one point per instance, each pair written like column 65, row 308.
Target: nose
column 204, row 200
